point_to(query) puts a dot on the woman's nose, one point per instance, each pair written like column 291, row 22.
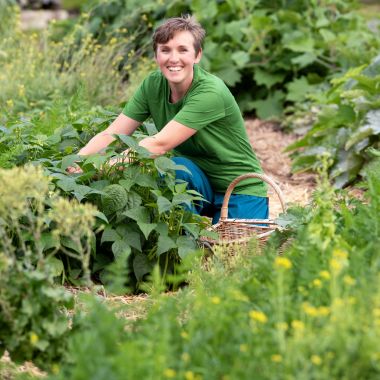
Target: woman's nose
column 173, row 56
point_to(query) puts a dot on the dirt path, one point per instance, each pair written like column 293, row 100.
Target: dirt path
column 269, row 141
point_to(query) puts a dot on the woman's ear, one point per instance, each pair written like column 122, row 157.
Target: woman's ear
column 198, row 56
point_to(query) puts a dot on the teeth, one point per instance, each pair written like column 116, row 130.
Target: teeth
column 175, row 68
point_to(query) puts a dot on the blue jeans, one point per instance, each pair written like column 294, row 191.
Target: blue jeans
column 240, row 206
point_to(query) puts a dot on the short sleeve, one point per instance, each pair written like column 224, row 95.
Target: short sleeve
column 201, row 109
column 137, row 107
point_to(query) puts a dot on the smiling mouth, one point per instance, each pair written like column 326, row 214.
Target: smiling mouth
column 174, row 69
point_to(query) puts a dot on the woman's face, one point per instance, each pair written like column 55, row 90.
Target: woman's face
column 176, row 59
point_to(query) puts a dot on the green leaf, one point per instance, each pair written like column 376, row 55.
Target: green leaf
column 141, row 266
column 109, row 234
column 192, row 228
column 299, row 41
column 164, row 164
column 304, row 60
column 327, row 35
column 163, row 205
column 69, row 161
column 133, row 200
column 185, row 245
column 120, row 247
column 370, row 128
column 139, row 214
column 80, row 192
column 229, row 74
column 48, row 241
column 146, row 180
column 101, row 216
column 55, row 265
column 270, row 107
column 71, row 244
column 127, row 183
column 165, row 244
column 298, row 89
column 132, row 237
column 97, row 160
column 129, row 141
column 181, row 199
column 241, row 58
column 267, row 79
column 67, row 184
column 146, row 228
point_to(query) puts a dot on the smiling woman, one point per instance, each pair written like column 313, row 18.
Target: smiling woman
column 198, row 119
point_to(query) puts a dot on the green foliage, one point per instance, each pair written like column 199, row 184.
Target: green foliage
column 34, row 226
column 312, row 313
column 347, row 128
column 141, row 205
column 58, row 68
column 114, row 198
column 270, row 54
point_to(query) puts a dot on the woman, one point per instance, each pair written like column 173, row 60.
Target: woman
column 197, row 118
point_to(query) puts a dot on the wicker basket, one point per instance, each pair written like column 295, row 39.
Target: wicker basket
column 241, row 231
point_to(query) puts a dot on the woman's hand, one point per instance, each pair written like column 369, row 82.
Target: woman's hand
column 75, row 169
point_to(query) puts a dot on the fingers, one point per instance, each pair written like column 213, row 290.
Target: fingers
column 74, row 170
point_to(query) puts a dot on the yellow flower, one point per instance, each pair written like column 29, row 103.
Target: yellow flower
column 33, row 338
column 325, row 274
column 340, row 254
column 184, row 335
column 336, row 265
column 189, row 375
column 348, row 280
column 376, row 312
column 317, row 283
column 10, row 103
column 243, row 348
column 323, row 311
column 310, row 310
column 316, row 360
column 113, row 41
column 185, row 357
column 215, row 300
column 170, row 373
column 258, row 316
column 276, row 358
column 282, row 262
column 298, row 325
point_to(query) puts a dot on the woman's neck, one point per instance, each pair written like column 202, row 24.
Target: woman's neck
column 179, row 90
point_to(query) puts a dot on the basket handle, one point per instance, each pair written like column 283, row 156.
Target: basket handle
column 263, row 177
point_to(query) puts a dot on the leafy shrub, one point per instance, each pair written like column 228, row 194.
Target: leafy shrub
column 142, row 206
column 149, row 224
column 348, row 127
column 34, row 226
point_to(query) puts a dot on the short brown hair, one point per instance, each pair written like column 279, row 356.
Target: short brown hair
column 166, row 31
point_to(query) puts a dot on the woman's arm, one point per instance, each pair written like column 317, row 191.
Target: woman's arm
column 122, row 125
column 172, row 135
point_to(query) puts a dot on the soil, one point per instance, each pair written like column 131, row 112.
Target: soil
column 269, row 142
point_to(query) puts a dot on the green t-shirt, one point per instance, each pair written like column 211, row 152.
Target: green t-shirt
column 220, row 147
